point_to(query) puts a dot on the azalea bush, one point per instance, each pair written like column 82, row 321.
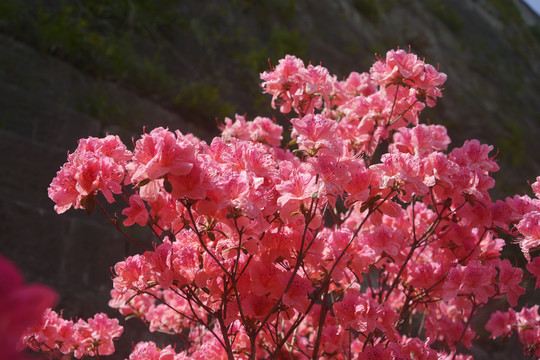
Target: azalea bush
column 365, row 237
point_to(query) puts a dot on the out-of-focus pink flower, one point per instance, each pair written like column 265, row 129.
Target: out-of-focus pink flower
column 21, row 306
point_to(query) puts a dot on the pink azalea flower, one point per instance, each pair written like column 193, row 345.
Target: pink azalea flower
column 424, row 275
column 392, row 237
column 314, row 132
column 96, row 165
column 378, row 351
column 357, row 84
column 384, row 239
column 159, row 153
column 136, row 212
column 267, row 279
column 477, row 279
column 52, row 332
column 261, row 129
column 536, row 187
column 133, row 273
column 520, row 205
column 534, row 269
column 509, row 280
column 474, row 278
column 500, row 323
column 358, row 312
column 82, row 338
column 500, row 214
column 398, row 66
column 295, row 193
column 283, row 82
column 346, row 313
column 529, row 227
column 298, row 294
column 256, row 306
column 97, row 335
column 417, row 349
column 150, row 351
column 421, row 140
column 404, row 172
column 474, row 155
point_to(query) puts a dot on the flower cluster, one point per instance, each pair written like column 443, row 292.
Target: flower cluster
column 295, row 86
column 323, row 249
column 96, row 165
column 93, row 337
column 525, row 322
column 402, row 68
column 149, row 351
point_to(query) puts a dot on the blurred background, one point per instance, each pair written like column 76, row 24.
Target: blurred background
column 73, row 69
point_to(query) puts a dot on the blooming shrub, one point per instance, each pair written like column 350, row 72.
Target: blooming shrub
column 322, row 249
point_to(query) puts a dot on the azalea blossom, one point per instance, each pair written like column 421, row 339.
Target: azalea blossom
column 368, row 235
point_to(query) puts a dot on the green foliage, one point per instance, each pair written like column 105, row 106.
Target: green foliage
column 368, row 8
column 444, row 10
column 508, row 11
column 139, row 44
column 284, row 9
column 535, row 31
column 97, row 46
column 272, row 40
column 202, row 100
column 283, row 41
column 10, row 12
column 96, row 36
column 98, row 104
column 512, row 146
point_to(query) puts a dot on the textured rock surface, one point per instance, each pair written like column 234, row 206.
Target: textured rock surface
column 214, row 48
